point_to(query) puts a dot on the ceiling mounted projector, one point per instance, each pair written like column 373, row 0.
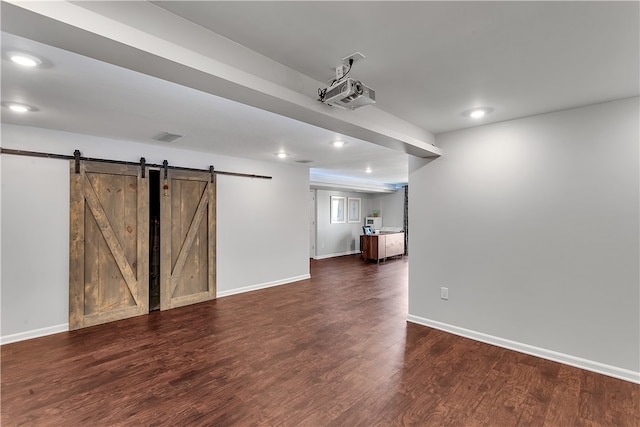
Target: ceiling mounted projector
column 347, row 92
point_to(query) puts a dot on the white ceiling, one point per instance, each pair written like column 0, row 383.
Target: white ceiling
column 427, row 61
column 431, row 61
column 79, row 94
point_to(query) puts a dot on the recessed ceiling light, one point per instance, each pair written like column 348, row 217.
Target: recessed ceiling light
column 477, row 113
column 368, row 170
column 338, row 143
column 19, row 108
column 282, row 155
column 24, row 59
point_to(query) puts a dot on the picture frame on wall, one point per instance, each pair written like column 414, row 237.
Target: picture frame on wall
column 353, row 211
column 338, row 211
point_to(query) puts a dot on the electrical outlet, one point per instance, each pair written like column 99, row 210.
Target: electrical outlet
column 444, row 293
column 339, row 72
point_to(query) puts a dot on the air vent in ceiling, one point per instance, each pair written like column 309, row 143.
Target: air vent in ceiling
column 167, row 137
column 304, row 161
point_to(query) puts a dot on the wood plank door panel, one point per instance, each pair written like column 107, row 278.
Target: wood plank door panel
column 109, row 234
column 187, row 239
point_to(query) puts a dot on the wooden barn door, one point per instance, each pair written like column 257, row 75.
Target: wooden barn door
column 187, row 238
column 109, row 252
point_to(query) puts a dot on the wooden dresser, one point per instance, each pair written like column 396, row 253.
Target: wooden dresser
column 381, row 246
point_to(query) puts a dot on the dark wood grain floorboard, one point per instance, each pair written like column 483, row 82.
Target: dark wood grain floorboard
column 334, row 350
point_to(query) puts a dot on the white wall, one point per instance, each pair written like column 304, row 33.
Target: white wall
column 0, row 237
column 262, row 225
column 391, row 207
column 533, row 225
column 338, row 239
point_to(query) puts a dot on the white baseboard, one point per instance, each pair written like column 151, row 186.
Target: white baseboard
column 262, row 285
column 578, row 362
column 335, row 255
column 36, row 333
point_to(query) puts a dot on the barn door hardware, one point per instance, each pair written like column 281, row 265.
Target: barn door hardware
column 76, row 157
column 165, row 187
column 213, row 174
column 143, row 166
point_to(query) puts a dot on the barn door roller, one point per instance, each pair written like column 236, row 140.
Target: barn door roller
column 143, row 166
column 76, row 157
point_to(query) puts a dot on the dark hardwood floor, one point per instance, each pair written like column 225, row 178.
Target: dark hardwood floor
column 333, row 350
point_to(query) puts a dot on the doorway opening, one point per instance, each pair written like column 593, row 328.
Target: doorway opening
column 154, row 240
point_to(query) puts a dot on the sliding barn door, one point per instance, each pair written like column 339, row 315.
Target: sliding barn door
column 109, row 252
column 187, row 238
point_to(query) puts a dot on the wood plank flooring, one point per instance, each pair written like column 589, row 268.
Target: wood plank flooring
column 334, row 350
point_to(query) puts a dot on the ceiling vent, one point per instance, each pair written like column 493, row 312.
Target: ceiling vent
column 167, row 137
column 304, row 161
